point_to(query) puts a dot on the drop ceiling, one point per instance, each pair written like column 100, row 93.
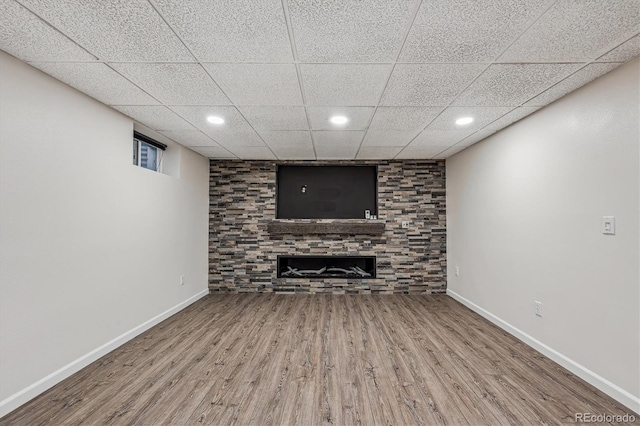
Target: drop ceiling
column 401, row 71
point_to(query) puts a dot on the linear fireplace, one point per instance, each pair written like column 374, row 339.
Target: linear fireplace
column 362, row 267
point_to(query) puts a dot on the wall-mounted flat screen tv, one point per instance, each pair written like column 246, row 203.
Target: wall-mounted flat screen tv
column 326, row 192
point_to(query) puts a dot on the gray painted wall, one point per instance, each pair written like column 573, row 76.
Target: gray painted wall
column 525, row 210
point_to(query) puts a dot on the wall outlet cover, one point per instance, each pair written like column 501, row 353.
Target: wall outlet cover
column 538, row 308
column 609, row 225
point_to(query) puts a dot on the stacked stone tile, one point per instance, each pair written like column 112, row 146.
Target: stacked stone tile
column 242, row 254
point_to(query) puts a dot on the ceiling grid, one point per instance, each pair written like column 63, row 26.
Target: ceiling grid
column 277, row 72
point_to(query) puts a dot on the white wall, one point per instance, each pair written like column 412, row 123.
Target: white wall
column 524, row 212
column 92, row 247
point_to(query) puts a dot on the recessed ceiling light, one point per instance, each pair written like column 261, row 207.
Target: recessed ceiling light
column 215, row 119
column 464, row 120
column 338, row 119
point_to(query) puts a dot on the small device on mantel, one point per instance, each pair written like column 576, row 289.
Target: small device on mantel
column 367, row 214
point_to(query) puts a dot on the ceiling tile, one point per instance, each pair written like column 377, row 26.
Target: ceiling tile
column 342, row 84
column 155, row 117
column 571, row 83
column 212, row 151
column 467, row 31
column 403, row 118
column 388, row 137
column 253, row 152
column 276, row 117
column 258, row 84
column 337, row 138
column 98, row 81
column 27, row 37
column 513, row 84
column 504, row 121
column 513, row 116
column 378, row 152
column 477, row 136
column 576, row 30
column 280, row 139
column 235, row 131
column 337, row 144
column 428, row 84
column 336, row 153
column 349, row 31
column 443, row 131
column 189, row 137
column 439, row 137
column 295, row 153
column 481, row 117
column 420, row 152
column 175, row 84
column 230, row 30
column 623, row 53
column 116, row 30
column 359, row 117
column 234, row 138
column 449, row 152
column 197, row 115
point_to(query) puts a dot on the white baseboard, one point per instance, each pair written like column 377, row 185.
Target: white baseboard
column 614, row 391
column 16, row 400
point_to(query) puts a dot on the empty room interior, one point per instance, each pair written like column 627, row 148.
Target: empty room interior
column 305, row 212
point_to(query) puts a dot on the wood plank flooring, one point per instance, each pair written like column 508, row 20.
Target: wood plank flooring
column 257, row 359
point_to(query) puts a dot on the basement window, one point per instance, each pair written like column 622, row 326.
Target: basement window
column 147, row 152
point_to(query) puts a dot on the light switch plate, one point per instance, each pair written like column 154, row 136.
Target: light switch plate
column 608, row 225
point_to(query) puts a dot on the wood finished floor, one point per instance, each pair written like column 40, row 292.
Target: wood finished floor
column 252, row 359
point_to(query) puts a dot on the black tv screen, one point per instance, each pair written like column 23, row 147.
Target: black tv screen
column 326, row 192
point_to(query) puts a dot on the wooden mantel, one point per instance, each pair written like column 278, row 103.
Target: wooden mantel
column 337, row 226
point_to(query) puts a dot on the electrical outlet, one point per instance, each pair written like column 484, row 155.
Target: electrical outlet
column 367, row 243
column 405, row 224
column 538, row 308
column 457, row 271
column 181, row 279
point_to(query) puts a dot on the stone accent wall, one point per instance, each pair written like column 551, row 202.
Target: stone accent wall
column 242, row 254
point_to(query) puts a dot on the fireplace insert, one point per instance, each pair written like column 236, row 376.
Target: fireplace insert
column 362, row 267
